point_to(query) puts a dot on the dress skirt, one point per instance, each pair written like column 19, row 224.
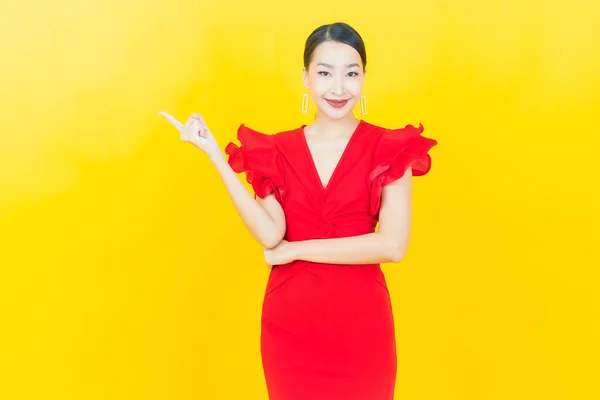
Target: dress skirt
column 328, row 333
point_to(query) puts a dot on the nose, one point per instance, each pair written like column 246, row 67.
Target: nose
column 337, row 86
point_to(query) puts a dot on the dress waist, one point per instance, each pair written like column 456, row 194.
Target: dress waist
column 329, row 228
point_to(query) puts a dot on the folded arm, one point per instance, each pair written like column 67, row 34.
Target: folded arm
column 388, row 244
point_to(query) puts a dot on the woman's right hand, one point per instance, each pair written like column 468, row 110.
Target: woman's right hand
column 196, row 132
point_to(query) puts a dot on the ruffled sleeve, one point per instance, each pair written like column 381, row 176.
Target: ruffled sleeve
column 396, row 151
column 259, row 158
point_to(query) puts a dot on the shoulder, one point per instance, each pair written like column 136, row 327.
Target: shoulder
column 407, row 137
column 394, row 134
column 263, row 142
column 246, row 132
column 404, row 146
column 256, row 153
column 254, row 143
column 394, row 151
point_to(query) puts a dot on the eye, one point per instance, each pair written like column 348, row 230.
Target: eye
column 322, row 73
column 353, row 73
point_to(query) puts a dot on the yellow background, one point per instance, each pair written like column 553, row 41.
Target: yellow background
column 126, row 274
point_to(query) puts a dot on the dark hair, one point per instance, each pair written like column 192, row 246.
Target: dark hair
column 336, row 32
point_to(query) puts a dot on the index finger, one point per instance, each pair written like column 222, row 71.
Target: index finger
column 170, row 118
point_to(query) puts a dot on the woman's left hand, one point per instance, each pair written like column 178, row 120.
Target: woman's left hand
column 281, row 254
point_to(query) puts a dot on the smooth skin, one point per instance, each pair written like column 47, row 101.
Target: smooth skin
column 335, row 73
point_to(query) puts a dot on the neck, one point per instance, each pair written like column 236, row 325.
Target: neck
column 327, row 127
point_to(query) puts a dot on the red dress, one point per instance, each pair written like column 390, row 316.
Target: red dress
column 328, row 330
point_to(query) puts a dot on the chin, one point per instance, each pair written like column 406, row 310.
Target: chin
column 337, row 114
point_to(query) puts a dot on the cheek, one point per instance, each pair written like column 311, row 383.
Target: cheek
column 355, row 87
column 319, row 88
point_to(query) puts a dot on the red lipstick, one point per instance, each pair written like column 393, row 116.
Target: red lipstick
column 336, row 103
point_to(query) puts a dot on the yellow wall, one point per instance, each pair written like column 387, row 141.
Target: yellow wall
column 125, row 273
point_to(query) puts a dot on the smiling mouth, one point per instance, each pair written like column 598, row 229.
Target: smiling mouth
column 337, row 103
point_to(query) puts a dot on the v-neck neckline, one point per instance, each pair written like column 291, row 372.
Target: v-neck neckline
column 315, row 171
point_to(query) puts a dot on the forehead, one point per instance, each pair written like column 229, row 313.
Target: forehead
column 336, row 53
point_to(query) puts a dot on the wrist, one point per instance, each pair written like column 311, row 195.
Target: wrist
column 295, row 250
column 216, row 156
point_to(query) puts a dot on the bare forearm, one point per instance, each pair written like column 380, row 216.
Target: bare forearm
column 256, row 219
column 371, row 248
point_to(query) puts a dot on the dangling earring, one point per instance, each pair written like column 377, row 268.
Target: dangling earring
column 305, row 103
column 363, row 105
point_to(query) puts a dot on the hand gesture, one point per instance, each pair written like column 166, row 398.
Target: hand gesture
column 195, row 132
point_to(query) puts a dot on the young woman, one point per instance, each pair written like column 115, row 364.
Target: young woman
column 320, row 190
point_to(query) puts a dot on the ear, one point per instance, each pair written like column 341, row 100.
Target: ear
column 305, row 78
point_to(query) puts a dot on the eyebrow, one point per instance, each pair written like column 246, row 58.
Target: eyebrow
column 331, row 66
